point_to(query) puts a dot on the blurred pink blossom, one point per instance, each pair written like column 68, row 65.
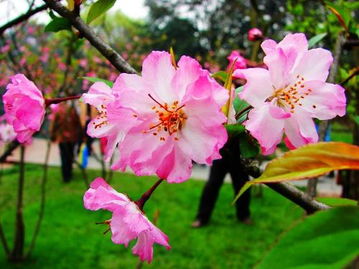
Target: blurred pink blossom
column 240, row 63
column 5, row 49
column 290, row 93
column 7, row 133
column 83, row 63
column 128, row 222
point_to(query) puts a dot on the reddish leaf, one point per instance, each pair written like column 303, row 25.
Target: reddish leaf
column 309, row 161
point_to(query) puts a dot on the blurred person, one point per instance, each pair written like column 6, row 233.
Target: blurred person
column 230, row 163
column 66, row 131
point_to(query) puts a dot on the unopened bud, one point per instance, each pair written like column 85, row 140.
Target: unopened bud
column 255, row 34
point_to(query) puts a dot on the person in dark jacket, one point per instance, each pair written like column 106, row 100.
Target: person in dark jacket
column 230, row 163
column 67, row 131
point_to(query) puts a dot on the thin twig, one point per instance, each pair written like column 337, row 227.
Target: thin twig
column 84, row 174
column 43, row 198
column 22, row 18
column 18, row 249
column 115, row 59
column 4, row 241
column 355, row 73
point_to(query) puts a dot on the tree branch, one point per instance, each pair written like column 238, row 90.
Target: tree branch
column 22, row 18
column 115, row 59
column 290, row 192
column 9, row 150
column 297, row 196
column 355, row 73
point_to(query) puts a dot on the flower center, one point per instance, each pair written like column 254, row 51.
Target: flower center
column 171, row 119
column 101, row 118
column 291, row 95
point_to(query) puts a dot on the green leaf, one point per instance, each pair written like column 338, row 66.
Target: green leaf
column 334, row 201
column 326, row 240
column 234, row 129
column 309, row 161
column 315, row 39
column 92, row 79
column 58, row 24
column 98, row 8
column 356, row 119
column 240, row 105
column 221, row 75
column 248, row 147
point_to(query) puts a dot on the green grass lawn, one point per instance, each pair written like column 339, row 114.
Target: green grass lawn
column 69, row 237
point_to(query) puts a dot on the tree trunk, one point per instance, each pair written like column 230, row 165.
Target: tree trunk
column 17, row 253
column 351, row 181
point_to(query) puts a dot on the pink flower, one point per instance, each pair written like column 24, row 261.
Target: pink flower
column 83, row 63
column 5, row 48
column 24, row 107
column 290, row 93
column 128, row 222
column 255, row 34
column 163, row 119
column 240, row 63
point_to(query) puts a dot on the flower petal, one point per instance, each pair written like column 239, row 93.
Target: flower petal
column 158, row 72
column 325, row 100
column 266, row 129
column 176, row 167
column 99, row 94
column 314, row 65
column 278, row 112
column 187, row 73
column 279, row 66
column 300, row 129
column 100, row 195
column 258, row 86
column 202, row 144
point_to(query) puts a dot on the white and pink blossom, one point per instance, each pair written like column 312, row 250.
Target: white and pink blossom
column 293, row 91
column 162, row 120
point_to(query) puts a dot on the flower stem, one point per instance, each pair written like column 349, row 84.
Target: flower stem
column 141, row 202
column 61, row 99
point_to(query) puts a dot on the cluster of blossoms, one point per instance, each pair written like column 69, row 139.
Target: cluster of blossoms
column 171, row 115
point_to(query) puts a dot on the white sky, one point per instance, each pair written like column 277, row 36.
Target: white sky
column 10, row 9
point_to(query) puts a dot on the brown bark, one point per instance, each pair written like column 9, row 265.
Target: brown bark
column 17, row 253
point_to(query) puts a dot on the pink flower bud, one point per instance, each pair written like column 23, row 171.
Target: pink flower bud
column 255, row 34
